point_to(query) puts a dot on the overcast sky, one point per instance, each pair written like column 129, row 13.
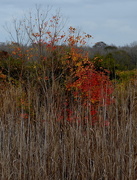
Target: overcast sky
column 110, row 21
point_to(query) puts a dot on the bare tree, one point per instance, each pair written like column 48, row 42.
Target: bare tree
column 36, row 27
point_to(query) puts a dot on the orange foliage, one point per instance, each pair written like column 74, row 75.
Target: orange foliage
column 92, row 87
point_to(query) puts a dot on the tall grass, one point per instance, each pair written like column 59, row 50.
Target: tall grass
column 41, row 147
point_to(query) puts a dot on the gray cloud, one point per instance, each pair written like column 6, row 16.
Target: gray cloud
column 107, row 20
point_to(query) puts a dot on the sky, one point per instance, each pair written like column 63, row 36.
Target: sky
column 111, row 21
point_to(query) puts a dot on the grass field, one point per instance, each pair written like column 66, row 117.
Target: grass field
column 38, row 147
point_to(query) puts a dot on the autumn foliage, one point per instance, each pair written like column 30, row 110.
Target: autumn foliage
column 57, row 58
column 63, row 115
column 93, row 87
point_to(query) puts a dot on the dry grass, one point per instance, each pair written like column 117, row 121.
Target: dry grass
column 35, row 149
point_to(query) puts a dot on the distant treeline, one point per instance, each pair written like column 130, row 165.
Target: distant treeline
column 108, row 57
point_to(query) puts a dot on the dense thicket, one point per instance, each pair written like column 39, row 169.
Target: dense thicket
column 67, row 111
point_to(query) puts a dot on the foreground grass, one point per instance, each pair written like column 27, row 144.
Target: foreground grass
column 40, row 147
